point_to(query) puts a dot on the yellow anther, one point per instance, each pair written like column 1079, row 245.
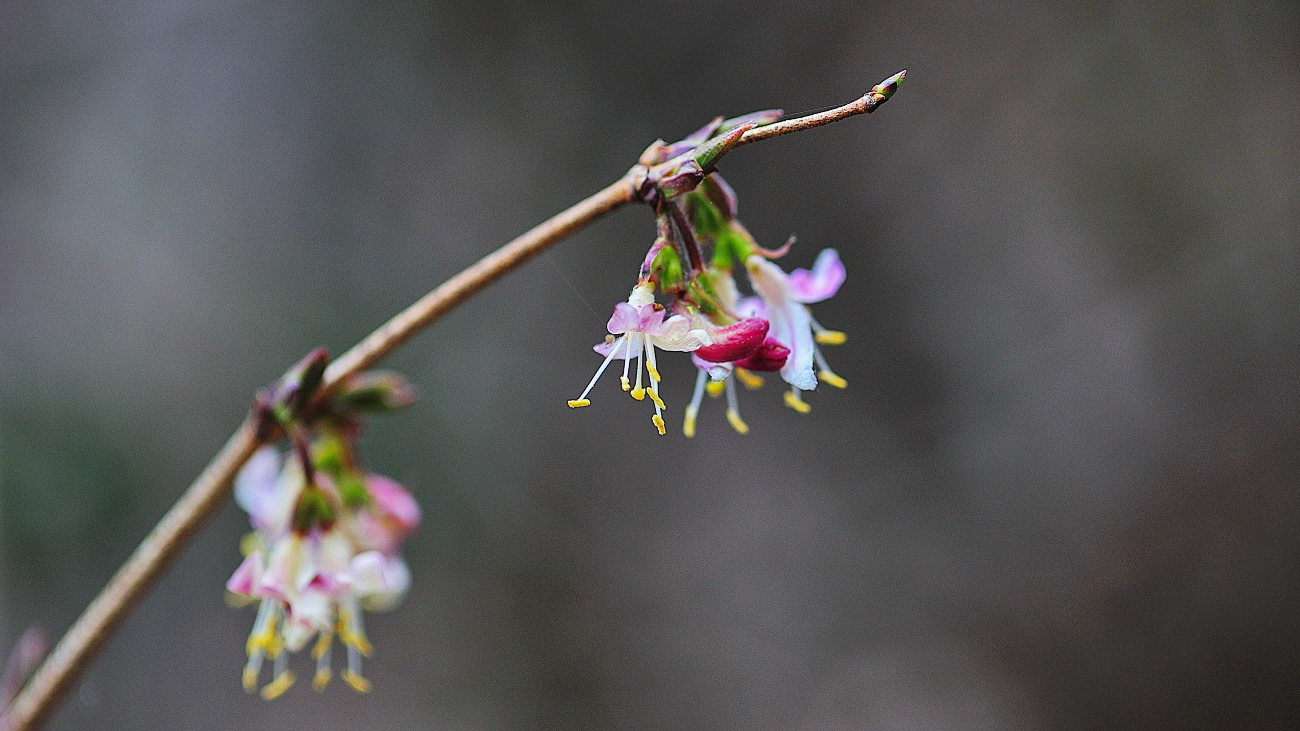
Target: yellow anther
column 321, row 679
column 659, row 424
column 250, row 677
column 579, row 402
column 250, row 542
column 235, row 601
column 322, row 644
column 264, row 640
column 688, row 422
column 654, row 372
column 830, row 337
column 358, row 683
column 793, row 401
column 352, row 638
column 832, row 379
column 277, row 687
column 715, row 388
column 737, row 423
column 627, row 385
column 751, row 380
column 638, row 393
column 275, row 646
column 655, row 398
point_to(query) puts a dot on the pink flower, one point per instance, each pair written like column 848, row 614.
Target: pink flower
column 785, row 299
column 313, row 565
column 642, row 326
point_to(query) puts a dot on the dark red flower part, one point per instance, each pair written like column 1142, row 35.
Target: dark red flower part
column 770, row 356
column 735, row 342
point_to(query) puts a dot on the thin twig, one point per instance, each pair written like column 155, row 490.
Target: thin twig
column 165, row 542
column 205, row 495
column 864, row 104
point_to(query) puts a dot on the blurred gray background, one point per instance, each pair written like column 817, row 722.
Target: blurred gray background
column 1060, row 490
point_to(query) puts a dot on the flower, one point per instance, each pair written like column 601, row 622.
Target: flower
column 715, row 378
column 641, row 326
column 313, row 565
column 784, row 299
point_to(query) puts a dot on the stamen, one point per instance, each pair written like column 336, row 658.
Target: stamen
column 352, row 673
column 263, row 635
column 322, row 652
column 639, row 353
column 715, row 388
column 284, row 678
column 580, row 402
column 824, row 336
column 355, row 681
column 251, row 672
column 733, row 410
column 627, row 362
column 693, row 408
column 832, row 379
column 638, row 393
column 736, row 422
column 651, row 365
column 752, row 380
column 793, row 401
column 352, row 634
column 276, row 688
column 655, row 398
column 659, row 424
column 599, row 371
column 323, row 644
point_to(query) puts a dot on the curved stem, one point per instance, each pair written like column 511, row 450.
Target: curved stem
column 864, row 104
column 204, row 496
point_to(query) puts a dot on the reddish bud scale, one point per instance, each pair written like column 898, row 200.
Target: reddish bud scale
column 735, row 342
column 770, row 356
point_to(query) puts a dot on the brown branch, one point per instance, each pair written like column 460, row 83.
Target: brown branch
column 205, row 495
column 864, row 104
column 165, row 542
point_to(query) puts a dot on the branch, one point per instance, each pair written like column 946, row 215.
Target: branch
column 179, row 525
column 865, row 104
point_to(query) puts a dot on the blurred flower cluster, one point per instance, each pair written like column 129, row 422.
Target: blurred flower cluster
column 686, row 298
column 326, row 534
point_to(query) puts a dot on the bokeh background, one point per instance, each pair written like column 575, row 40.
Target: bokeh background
column 1060, row 490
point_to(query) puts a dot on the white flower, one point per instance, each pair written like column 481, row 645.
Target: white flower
column 642, row 326
column 784, row 299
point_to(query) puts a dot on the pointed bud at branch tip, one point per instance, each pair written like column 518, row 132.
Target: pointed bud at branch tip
column 881, row 92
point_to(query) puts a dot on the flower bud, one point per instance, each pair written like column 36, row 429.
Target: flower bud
column 734, row 342
column 769, row 356
column 375, row 392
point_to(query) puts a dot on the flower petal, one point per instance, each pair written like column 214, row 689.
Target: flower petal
column 394, row 501
column 247, row 579
column 822, row 282
column 625, row 319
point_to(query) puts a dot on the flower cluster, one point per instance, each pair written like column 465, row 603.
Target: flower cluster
column 326, row 535
column 702, row 311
